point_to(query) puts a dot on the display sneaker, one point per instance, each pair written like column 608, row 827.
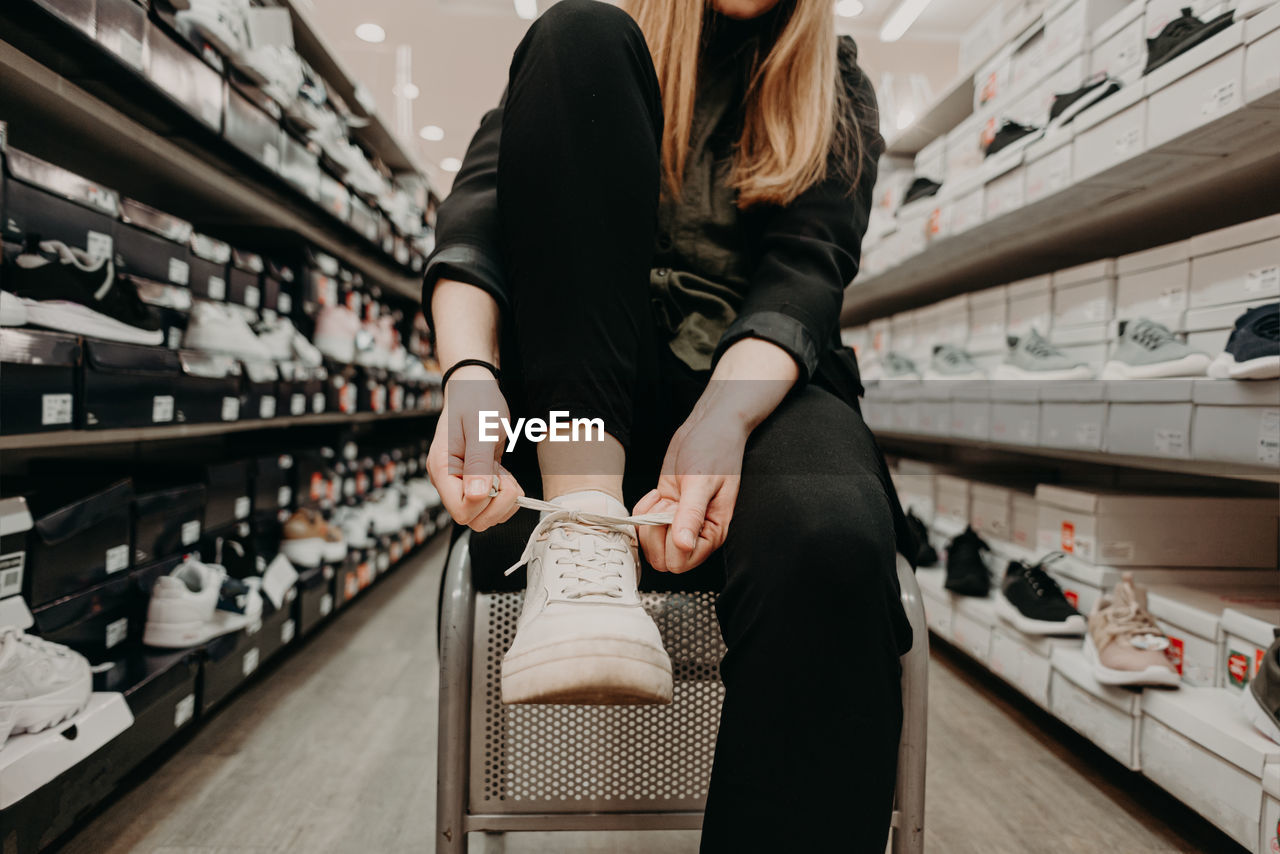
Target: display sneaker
column 218, row 328
column 1180, row 35
column 304, row 538
column 355, row 524
column 13, row 311
column 1253, row 350
column 1067, row 105
column 196, row 603
column 1031, row 357
column 278, row 69
column 286, row 344
column 583, row 637
column 925, row 555
column 967, row 572
column 42, row 683
column 1011, row 135
column 950, row 362
column 1033, row 603
column 1260, row 700
column 67, row 289
column 385, row 513
column 336, row 328
column 1124, row 645
column 895, row 366
column 921, row 188
column 223, row 24
column 1148, row 350
column 425, row 491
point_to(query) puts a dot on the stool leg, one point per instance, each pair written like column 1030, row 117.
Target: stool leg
column 457, row 616
column 908, row 836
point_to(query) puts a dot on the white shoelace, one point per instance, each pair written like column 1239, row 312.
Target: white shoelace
column 598, row 573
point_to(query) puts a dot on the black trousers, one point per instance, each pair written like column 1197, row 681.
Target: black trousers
column 809, row 609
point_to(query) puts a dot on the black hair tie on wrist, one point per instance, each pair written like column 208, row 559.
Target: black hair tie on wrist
column 480, row 363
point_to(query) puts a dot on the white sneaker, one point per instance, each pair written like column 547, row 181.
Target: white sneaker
column 222, row 23
column 583, row 636
column 196, row 603
column 386, row 513
column 216, row 328
column 355, row 523
column 13, row 311
column 425, row 491
column 286, row 344
column 42, row 684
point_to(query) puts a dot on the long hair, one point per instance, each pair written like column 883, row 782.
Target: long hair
column 797, row 122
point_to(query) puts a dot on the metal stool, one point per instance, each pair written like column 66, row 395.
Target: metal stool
column 527, row 768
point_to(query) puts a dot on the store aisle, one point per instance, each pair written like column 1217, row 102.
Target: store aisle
column 335, row 754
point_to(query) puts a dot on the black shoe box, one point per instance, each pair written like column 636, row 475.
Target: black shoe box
column 273, row 484
column 127, row 385
column 229, row 495
column 244, row 285
column 152, row 244
column 80, row 538
column 16, row 523
column 316, row 484
column 167, row 522
column 184, row 77
column 55, row 204
column 285, row 279
column 321, row 280
column 352, row 576
column 315, row 597
column 261, row 391
column 121, row 28
column 342, row 392
column 300, row 166
column 209, row 388
column 292, row 390
column 279, row 626
column 209, row 261
column 160, row 687
column 227, row 662
column 371, row 390
column 231, row 547
column 77, row 13
column 251, row 123
column 40, row 370
column 97, row 621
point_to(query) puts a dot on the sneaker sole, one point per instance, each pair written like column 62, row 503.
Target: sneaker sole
column 1262, row 368
column 1258, row 716
column 590, row 672
column 1191, row 365
column 187, row 635
column 1009, row 372
column 1154, row 676
column 334, row 552
column 82, row 320
column 1007, row 611
column 309, row 552
column 41, row 713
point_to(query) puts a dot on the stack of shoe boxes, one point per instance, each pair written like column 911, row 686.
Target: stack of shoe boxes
column 1248, row 629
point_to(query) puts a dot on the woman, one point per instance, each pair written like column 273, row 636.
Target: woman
column 654, row 229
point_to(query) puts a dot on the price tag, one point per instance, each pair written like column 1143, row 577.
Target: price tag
column 242, row 507
column 298, row 404
column 1262, row 280
column 317, row 403
column 252, row 296
column 284, row 304
column 267, row 407
column 217, row 287
column 231, row 409
column 1269, row 437
column 99, row 245
column 1088, row 435
column 179, row 271
column 1221, row 99
column 1170, row 442
column 117, row 631
column 283, row 496
column 326, row 604
column 250, row 661
column 117, row 558
column 175, row 338
column 162, row 409
column 11, row 565
column 190, row 532
column 184, row 710
column 55, row 409
column 1129, row 141
column 271, row 157
column 287, row 631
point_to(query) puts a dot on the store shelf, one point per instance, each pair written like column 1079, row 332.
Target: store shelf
column 83, row 438
column 147, row 159
column 950, row 108
column 896, row 439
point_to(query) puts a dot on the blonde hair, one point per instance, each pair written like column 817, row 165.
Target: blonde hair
column 797, row 113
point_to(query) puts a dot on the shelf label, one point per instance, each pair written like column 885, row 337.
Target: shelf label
column 117, row 558
column 267, row 406
column 230, row 409
column 326, row 604
column 217, row 287
column 162, row 408
column 184, row 710
column 317, row 402
column 250, row 662
column 1171, row 442
column 298, row 404
column 242, row 507
column 179, row 271
column 1269, row 437
column 283, row 496
column 11, row 565
column 284, row 304
column 252, row 296
column 55, row 409
column 99, row 245
column 287, row 631
column 1221, row 99
column 190, row 532
column 117, row 631
column 1262, row 280
column 271, row 157
column 1129, row 141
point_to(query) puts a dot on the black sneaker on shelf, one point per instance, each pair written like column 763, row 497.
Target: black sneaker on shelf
column 1033, row 603
column 1253, row 350
column 1180, row 35
column 67, row 289
column 967, row 572
column 921, row 188
column 1067, row 105
column 1009, row 133
column 925, row 553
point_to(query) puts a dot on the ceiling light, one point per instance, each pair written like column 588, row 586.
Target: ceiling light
column 432, row 133
column 371, row 33
column 848, row 8
column 901, row 19
column 527, row 9
column 906, row 117
column 451, row 164
column 408, row 91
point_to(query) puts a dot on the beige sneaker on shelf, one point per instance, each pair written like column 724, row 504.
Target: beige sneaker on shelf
column 583, row 636
column 1124, row 644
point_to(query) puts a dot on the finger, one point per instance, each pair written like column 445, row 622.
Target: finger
column 653, row 538
column 501, row 507
column 478, row 468
column 696, row 493
column 449, row 485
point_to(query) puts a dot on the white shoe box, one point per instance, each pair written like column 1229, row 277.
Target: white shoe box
column 1015, row 412
column 1119, row 48
column 936, row 600
column 1149, row 418
column 988, row 317
column 951, row 322
column 916, row 482
column 1237, row 422
column 31, row 760
column 1109, row 134
column 1236, row 264
column 965, row 211
column 933, row 408
column 1071, row 21
column 964, row 153
column 991, row 509
column 1026, row 519
column 1087, row 343
column 952, row 498
column 1005, row 193
column 992, row 82
column 1108, row 716
column 1248, row 629
column 931, row 161
column 1084, row 294
column 1197, row 90
column 902, row 332
column 1154, row 282
column 1269, row 837
column 881, row 336
column 1197, row 745
column 972, row 620
column 1114, row 528
column 1024, row 661
column 971, row 409
column 904, row 405
column 1030, row 306
column 1084, row 583
column 1191, row 615
column 1073, row 415
column 1261, row 70
column 1048, row 165
column 1209, row 328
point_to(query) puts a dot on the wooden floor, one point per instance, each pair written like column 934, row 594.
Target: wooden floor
column 334, row 753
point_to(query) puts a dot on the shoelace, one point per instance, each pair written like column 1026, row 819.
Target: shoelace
column 1126, row 621
column 1268, row 326
column 1037, row 346
column 596, row 574
column 1151, row 335
column 1041, row 581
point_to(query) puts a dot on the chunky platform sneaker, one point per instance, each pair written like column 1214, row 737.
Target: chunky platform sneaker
column 42, row 684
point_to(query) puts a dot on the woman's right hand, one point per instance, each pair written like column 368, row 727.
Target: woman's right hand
column 460, row 464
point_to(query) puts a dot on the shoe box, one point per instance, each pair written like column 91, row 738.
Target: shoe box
column 1209, row 328
column 364, row 220
column 273, row 484
column 183, row 76
column 1107, row 715
column 1073, row 414
column 208, row 389
column 1198, row 746
column 1015, row 412
column 952, row 497
column 1048, row 167
column 904, row 407
column 320, row 278
column 355, row 574
column 77, row 13
column 315, row 483
column 1024, row 660
column 152, row 245
column 171, row 303
column 1084, row 294
column 1191, row 616
column 80, row 536
column 973, row 618
column 120, row 29
column 1261, row 74
column 1149, row 418
column 877, row 406
column 1084, row 583
column 244, row 286
column 342, row 389
column 314, row 601
column 915, row 483
column 1248, row 629
column 991, row 510
column 167, row 520
column 1111, row 527
column 933, row 407
column 251, row 123
column 1030, row 306
column 1110, row 136
column 334, row 196
column 1236, row 422
column 1236, row 264
column 56, row 204
column 1156, row 282
column 278, row 287
column 262, row 391
column 988, row 320
column 127, row 385
column 228, row 497
column 208, row 260
column 1119, row 48
column 300, row 165
column 936, row 600
column 40, row 375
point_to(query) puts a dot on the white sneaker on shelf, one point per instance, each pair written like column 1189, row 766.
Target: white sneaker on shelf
column 278, row 69
column 583, row 636
column 222, row 23
column 425, row 491
column 13, row 311
column 336, row 328
column 216, row 328
column 196, row 603
column 355, row 523
column 385, row 512
column 42, row 684
column 286, row 344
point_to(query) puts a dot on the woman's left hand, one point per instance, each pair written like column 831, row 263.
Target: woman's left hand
column 699, row 482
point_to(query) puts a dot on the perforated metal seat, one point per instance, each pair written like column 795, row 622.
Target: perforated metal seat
column 509, row 768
